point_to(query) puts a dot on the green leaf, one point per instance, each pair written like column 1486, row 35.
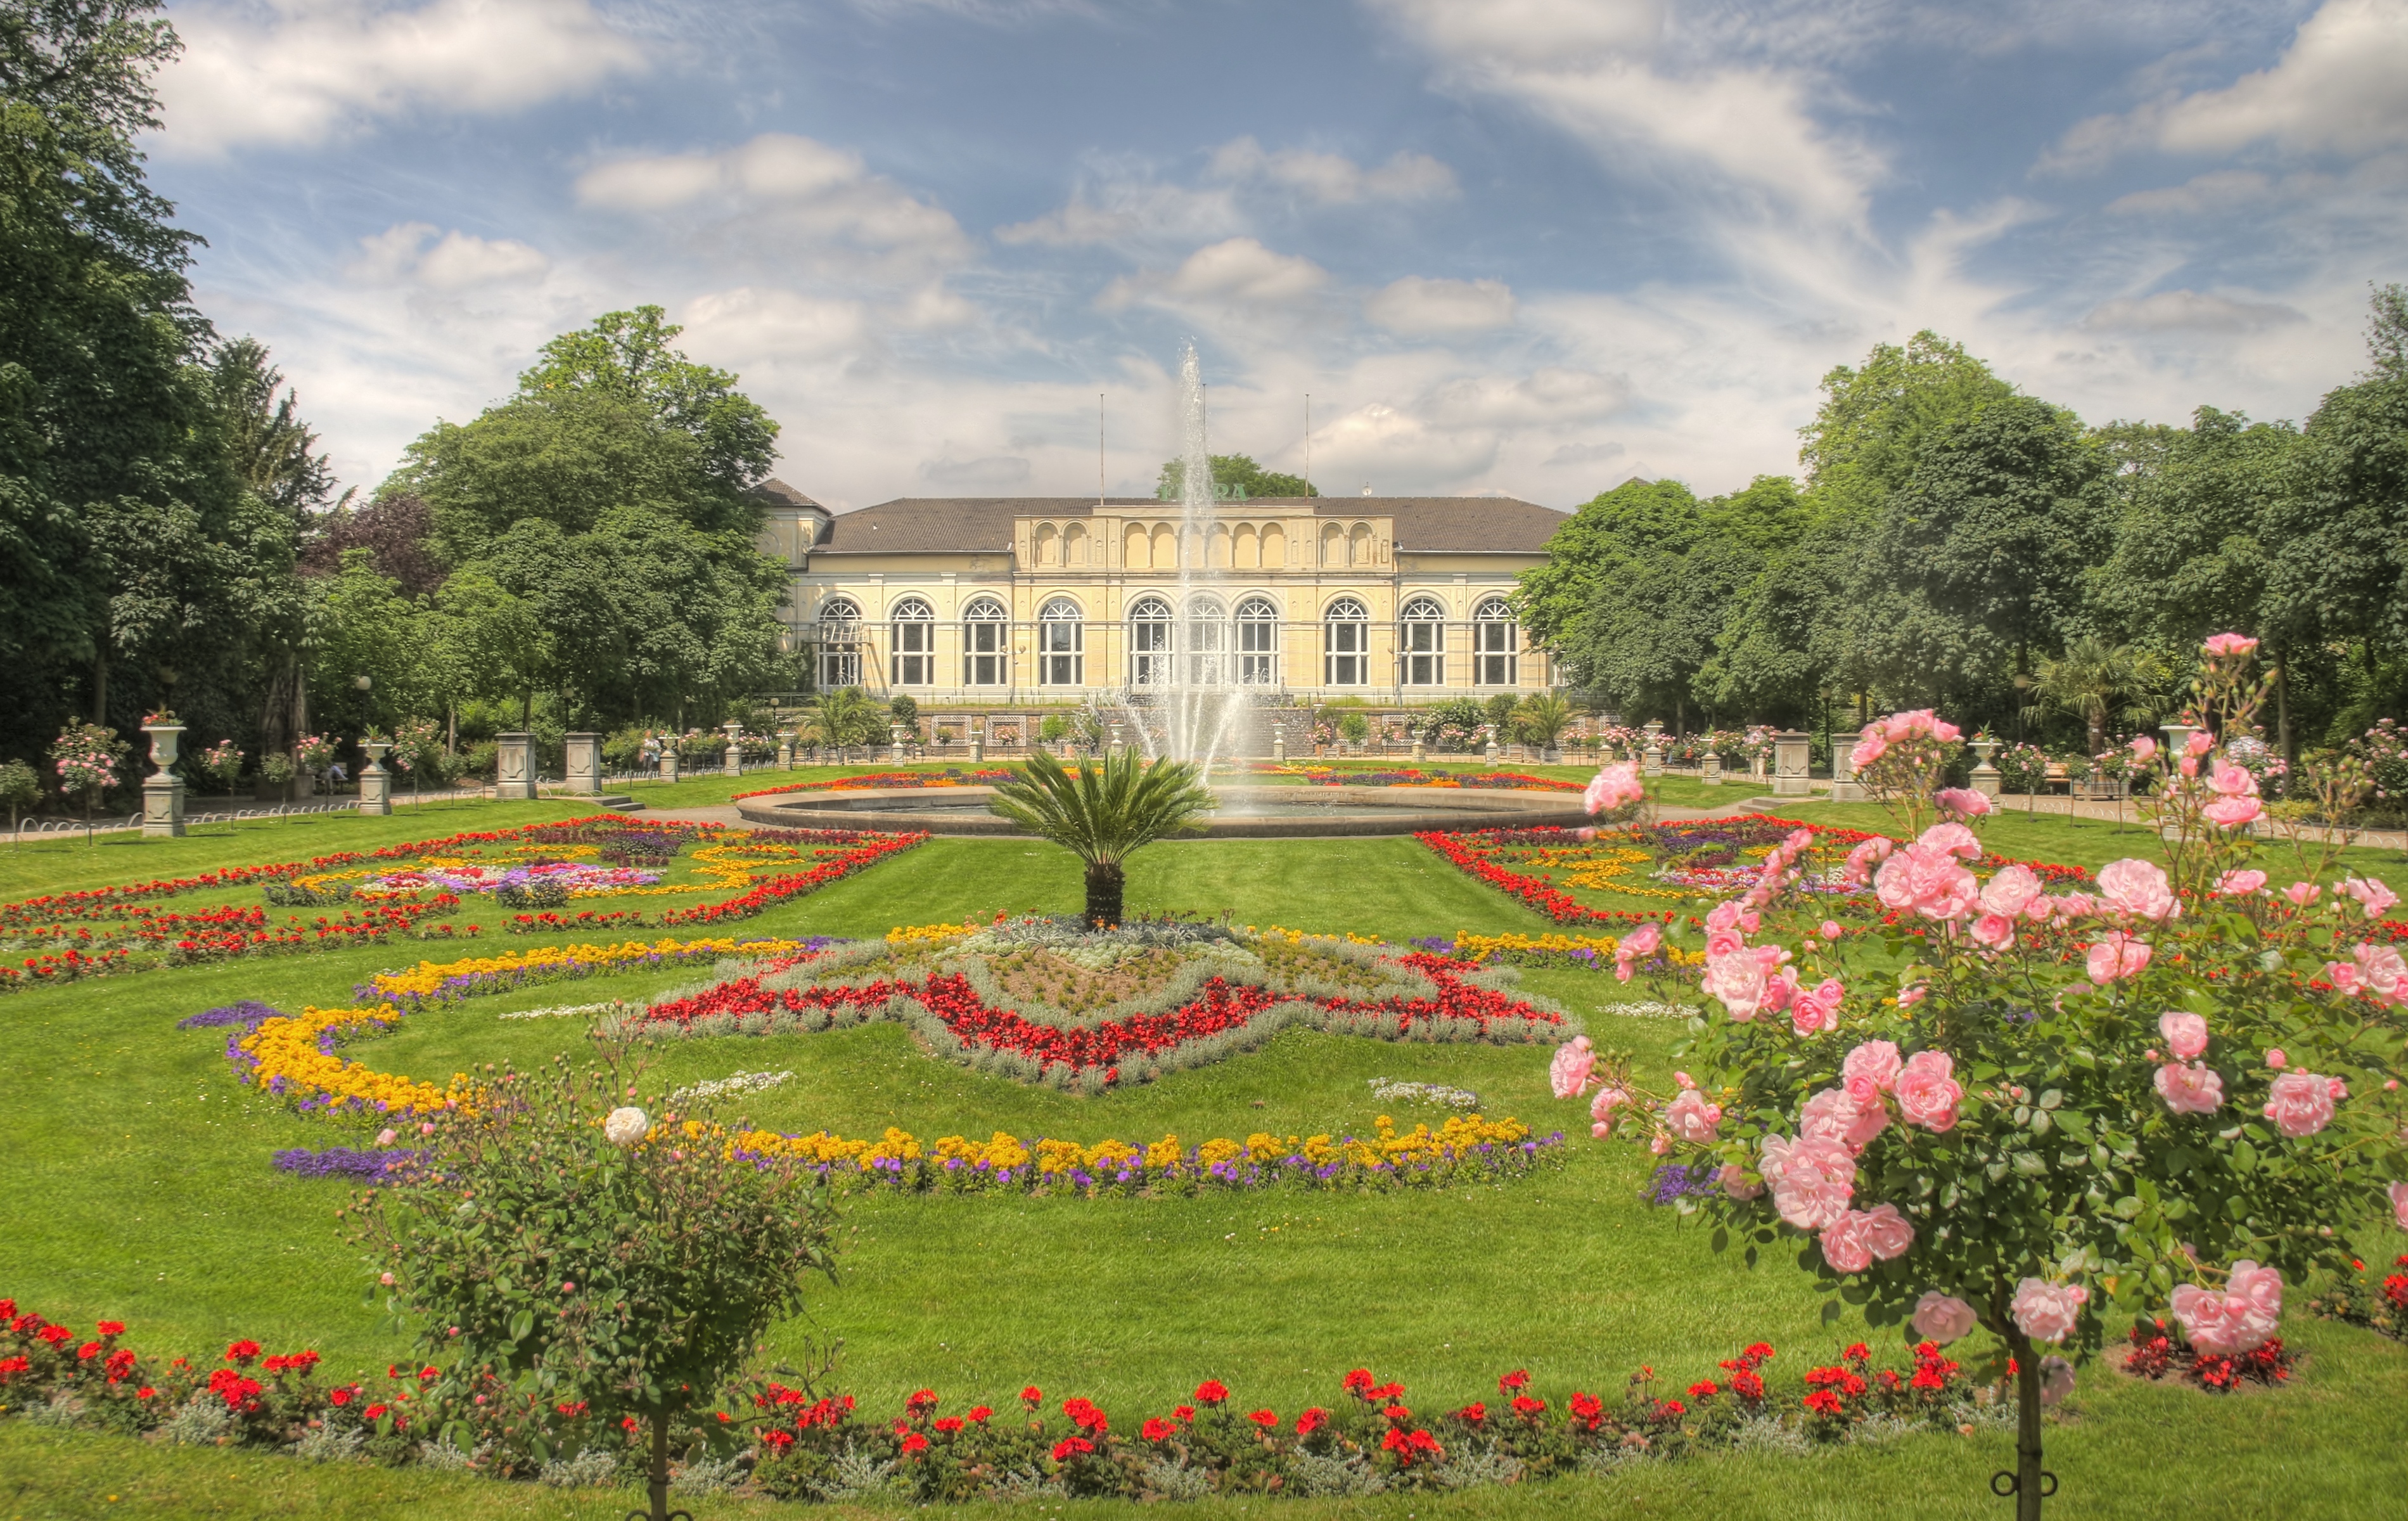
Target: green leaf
column 1832, row 1311
column 522, row 1324
column 2053, row 1097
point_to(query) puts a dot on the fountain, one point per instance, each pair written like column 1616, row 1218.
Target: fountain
column 1191, row 713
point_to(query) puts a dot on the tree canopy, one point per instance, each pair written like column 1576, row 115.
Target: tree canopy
column 1233, row 472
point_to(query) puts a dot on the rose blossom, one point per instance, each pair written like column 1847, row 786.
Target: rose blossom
column 2144, row 748
column 1830, row 930
column 2139, row 888
column 1832, row 1115
column 1638, row 945
column 1993, row 932
column 2239, row 884
column 2047, row 1312
column 2118, row 955
column 1733, row 1180
column 1602, row 1107
column 2373, row 895
column 1955, row 838
column 1865, row 858
column 2301, row 894
column 2275, row 1059
column 2186, row 1034
column 1964, row 802
column 2399, row 1204
column 1614, row 787
column 2232, row 813
column 1928, row 1092
column 1870, row 1069
column 625, row 1126
column 1817, row 1009
column 2223, row 646
column 1887, row 1232
column 2232, row 781
column 1738, row 979
column 2300, row 1104
column 2010, row 891
column 1693, row 1119
column 1812, row 1180
column 2241, row 1318
column 1943, row 1318
column 2194, row 1089
column 1844, row 1243
column 1928, row 881
column 1569, row 1073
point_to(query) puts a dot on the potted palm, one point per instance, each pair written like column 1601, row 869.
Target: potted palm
column 1103, row 812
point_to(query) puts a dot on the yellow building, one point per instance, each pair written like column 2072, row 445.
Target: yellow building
column 1395, row 599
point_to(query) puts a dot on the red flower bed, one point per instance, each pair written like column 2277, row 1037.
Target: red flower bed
column 1221, row 1008
column 863, row 850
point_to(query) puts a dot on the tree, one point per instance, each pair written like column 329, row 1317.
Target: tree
column 1236, row 474
column 1543, row 719
column 21, row 789
column 266, row 442
column 560, row 1239
column 395, row 530
column 1103, row 812
column 626, row 356
column 2098, row 682
column 843, row 716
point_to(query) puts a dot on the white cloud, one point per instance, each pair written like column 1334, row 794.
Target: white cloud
column 2337, row 89
column 745, row 326
column 1547, row 396
column 2191, row 311
column 458, row 259
column 1543, row 34
column 779, row 196
column 1238, row 272
column 1426, row 308
column 1333, row 178
column 1128, row 210
column 295, row 72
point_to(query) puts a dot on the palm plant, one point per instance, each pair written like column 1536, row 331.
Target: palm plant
column 2097, row 681
column 844, row 717
column 1103, row 812
column 1543, row 719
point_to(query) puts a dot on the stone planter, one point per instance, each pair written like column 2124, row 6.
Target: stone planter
column 1710, row 770
column 163, row 791
column 1986, row 780
column 583, row 755
column 514, row 768
column 1790, row 752
column 376, row 783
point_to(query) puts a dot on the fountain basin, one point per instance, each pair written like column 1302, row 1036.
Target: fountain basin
column 1243, row 813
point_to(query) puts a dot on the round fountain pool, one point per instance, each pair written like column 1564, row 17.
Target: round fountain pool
column 1243, row 813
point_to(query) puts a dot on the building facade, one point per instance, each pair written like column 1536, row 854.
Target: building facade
column 1058, row 599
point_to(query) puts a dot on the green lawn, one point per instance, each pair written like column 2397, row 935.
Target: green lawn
column 138, row 1187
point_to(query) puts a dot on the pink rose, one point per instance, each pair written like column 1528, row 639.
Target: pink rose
column 1585, row 835
column 2144, row 749
column 1638, row 945
column 1736, row 979
column 2301, row 894
column 2194, row 1089
column 1870, row 1070
column 1931, row 882
column 1928, row 1092
column 2373, row 895
column 2199, row 743
column 2010, row 891
column 2225, row 646
column 1812, row 1180
column 1817, row 1008
column 2186, row 1034
column 1868, row 750
column 2048, row 1311
column 2399, row 1204
column 2074, row 905
column 2300, row 1104
column 1602, row 1107
column 1735, row 1182
column 1693, row 1119
column 2239, row 884
column 2275, row 1059
column 1844, row 1243
column 1830, row 930
column 2118, row 955
column 1867, row 855
column 2138, row 888
column 1832, row 1115
column 1569, row 1073
column 1888, row 1233
column 2056, row 1381
column 1993, row 932
column 2241, row 1318
column 1962, row 802
column 2232, row 813
column 2232, row 781
column 1951, row 838
column 1943, row 1318
column 1612, row 787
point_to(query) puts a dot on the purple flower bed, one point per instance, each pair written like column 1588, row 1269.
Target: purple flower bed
column 1674, row 1182
column 248, row 1013
column 371, row 1166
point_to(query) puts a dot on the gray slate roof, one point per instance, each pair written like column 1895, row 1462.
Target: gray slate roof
column 982, row 524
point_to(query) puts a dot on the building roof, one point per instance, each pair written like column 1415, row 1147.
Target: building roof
column 777, row 494
column 982, row 524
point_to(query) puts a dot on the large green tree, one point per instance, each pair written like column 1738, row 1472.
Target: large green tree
column 1234, row 471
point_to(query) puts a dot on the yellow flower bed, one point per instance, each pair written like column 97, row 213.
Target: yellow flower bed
column 428, row 979
column 285, row 1059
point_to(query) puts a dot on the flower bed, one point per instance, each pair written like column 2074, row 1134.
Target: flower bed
column 797, row 1445
column 1330, row 776
column 1040, row 1002
column 446, row 982
column 881, row 780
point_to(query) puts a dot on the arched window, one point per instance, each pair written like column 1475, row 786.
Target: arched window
column 1149, row 642
column 840, row 642
column 987, row 644
column 912, row 641
column 1257, row 642
column 1207, row 642
column 1061, row 643
column 1421, row 642
column 1495, row 642
column 1346, row 643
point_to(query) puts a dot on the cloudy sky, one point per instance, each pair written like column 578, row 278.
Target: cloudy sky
column 1528, row 247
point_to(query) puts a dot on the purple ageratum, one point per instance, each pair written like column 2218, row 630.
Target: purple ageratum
column 374, row 1166
column 1674, row 1181
column 248, row 1013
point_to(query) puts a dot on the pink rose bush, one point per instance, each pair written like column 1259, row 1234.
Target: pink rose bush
column 1569, row 1073
column 1615, row 790
column 2046, row 1115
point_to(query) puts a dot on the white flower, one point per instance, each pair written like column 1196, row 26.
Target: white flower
column 625, row 1126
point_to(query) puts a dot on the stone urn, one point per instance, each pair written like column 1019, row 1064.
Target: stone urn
column 733, row 764
column 163, row 791
column 376, row 783
column 1986, row 778
column 1710, row 770
column 1652, row 758
column 1279, row 744
column 785, row 750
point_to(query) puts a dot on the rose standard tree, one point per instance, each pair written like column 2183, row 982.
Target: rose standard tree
column 566, row 1253
column 2175, row 1094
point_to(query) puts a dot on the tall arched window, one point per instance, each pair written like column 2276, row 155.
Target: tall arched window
column 1421, row 642
column 1495, row 642
column 1346, row 643
column 1206, row 643
column 1061, row 643
column 1257, row 642
column 840, row 642
column 1149, row 642
column 912, row 641
column 987, row 644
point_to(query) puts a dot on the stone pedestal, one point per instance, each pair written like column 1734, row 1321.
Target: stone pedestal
column 1651, row 757
column 978, row 744
column 1789, row 760
column 1845, row 788
column 514, row 768
column 1279, row 744
column 1493, row 753
column 376, row 783
column 669, row 761
column 896, row 754
column 1986, row 780
column 1710, row 770
column 2177, row 740
column 582, row 753
column 1421, row 750
column 733, row 764
column 1114, row 743
column 163, row 791
column 785, row 750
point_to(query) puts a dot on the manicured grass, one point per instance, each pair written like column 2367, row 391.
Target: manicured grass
column 139, row 1188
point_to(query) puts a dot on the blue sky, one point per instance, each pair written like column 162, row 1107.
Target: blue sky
column 1528, row 247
